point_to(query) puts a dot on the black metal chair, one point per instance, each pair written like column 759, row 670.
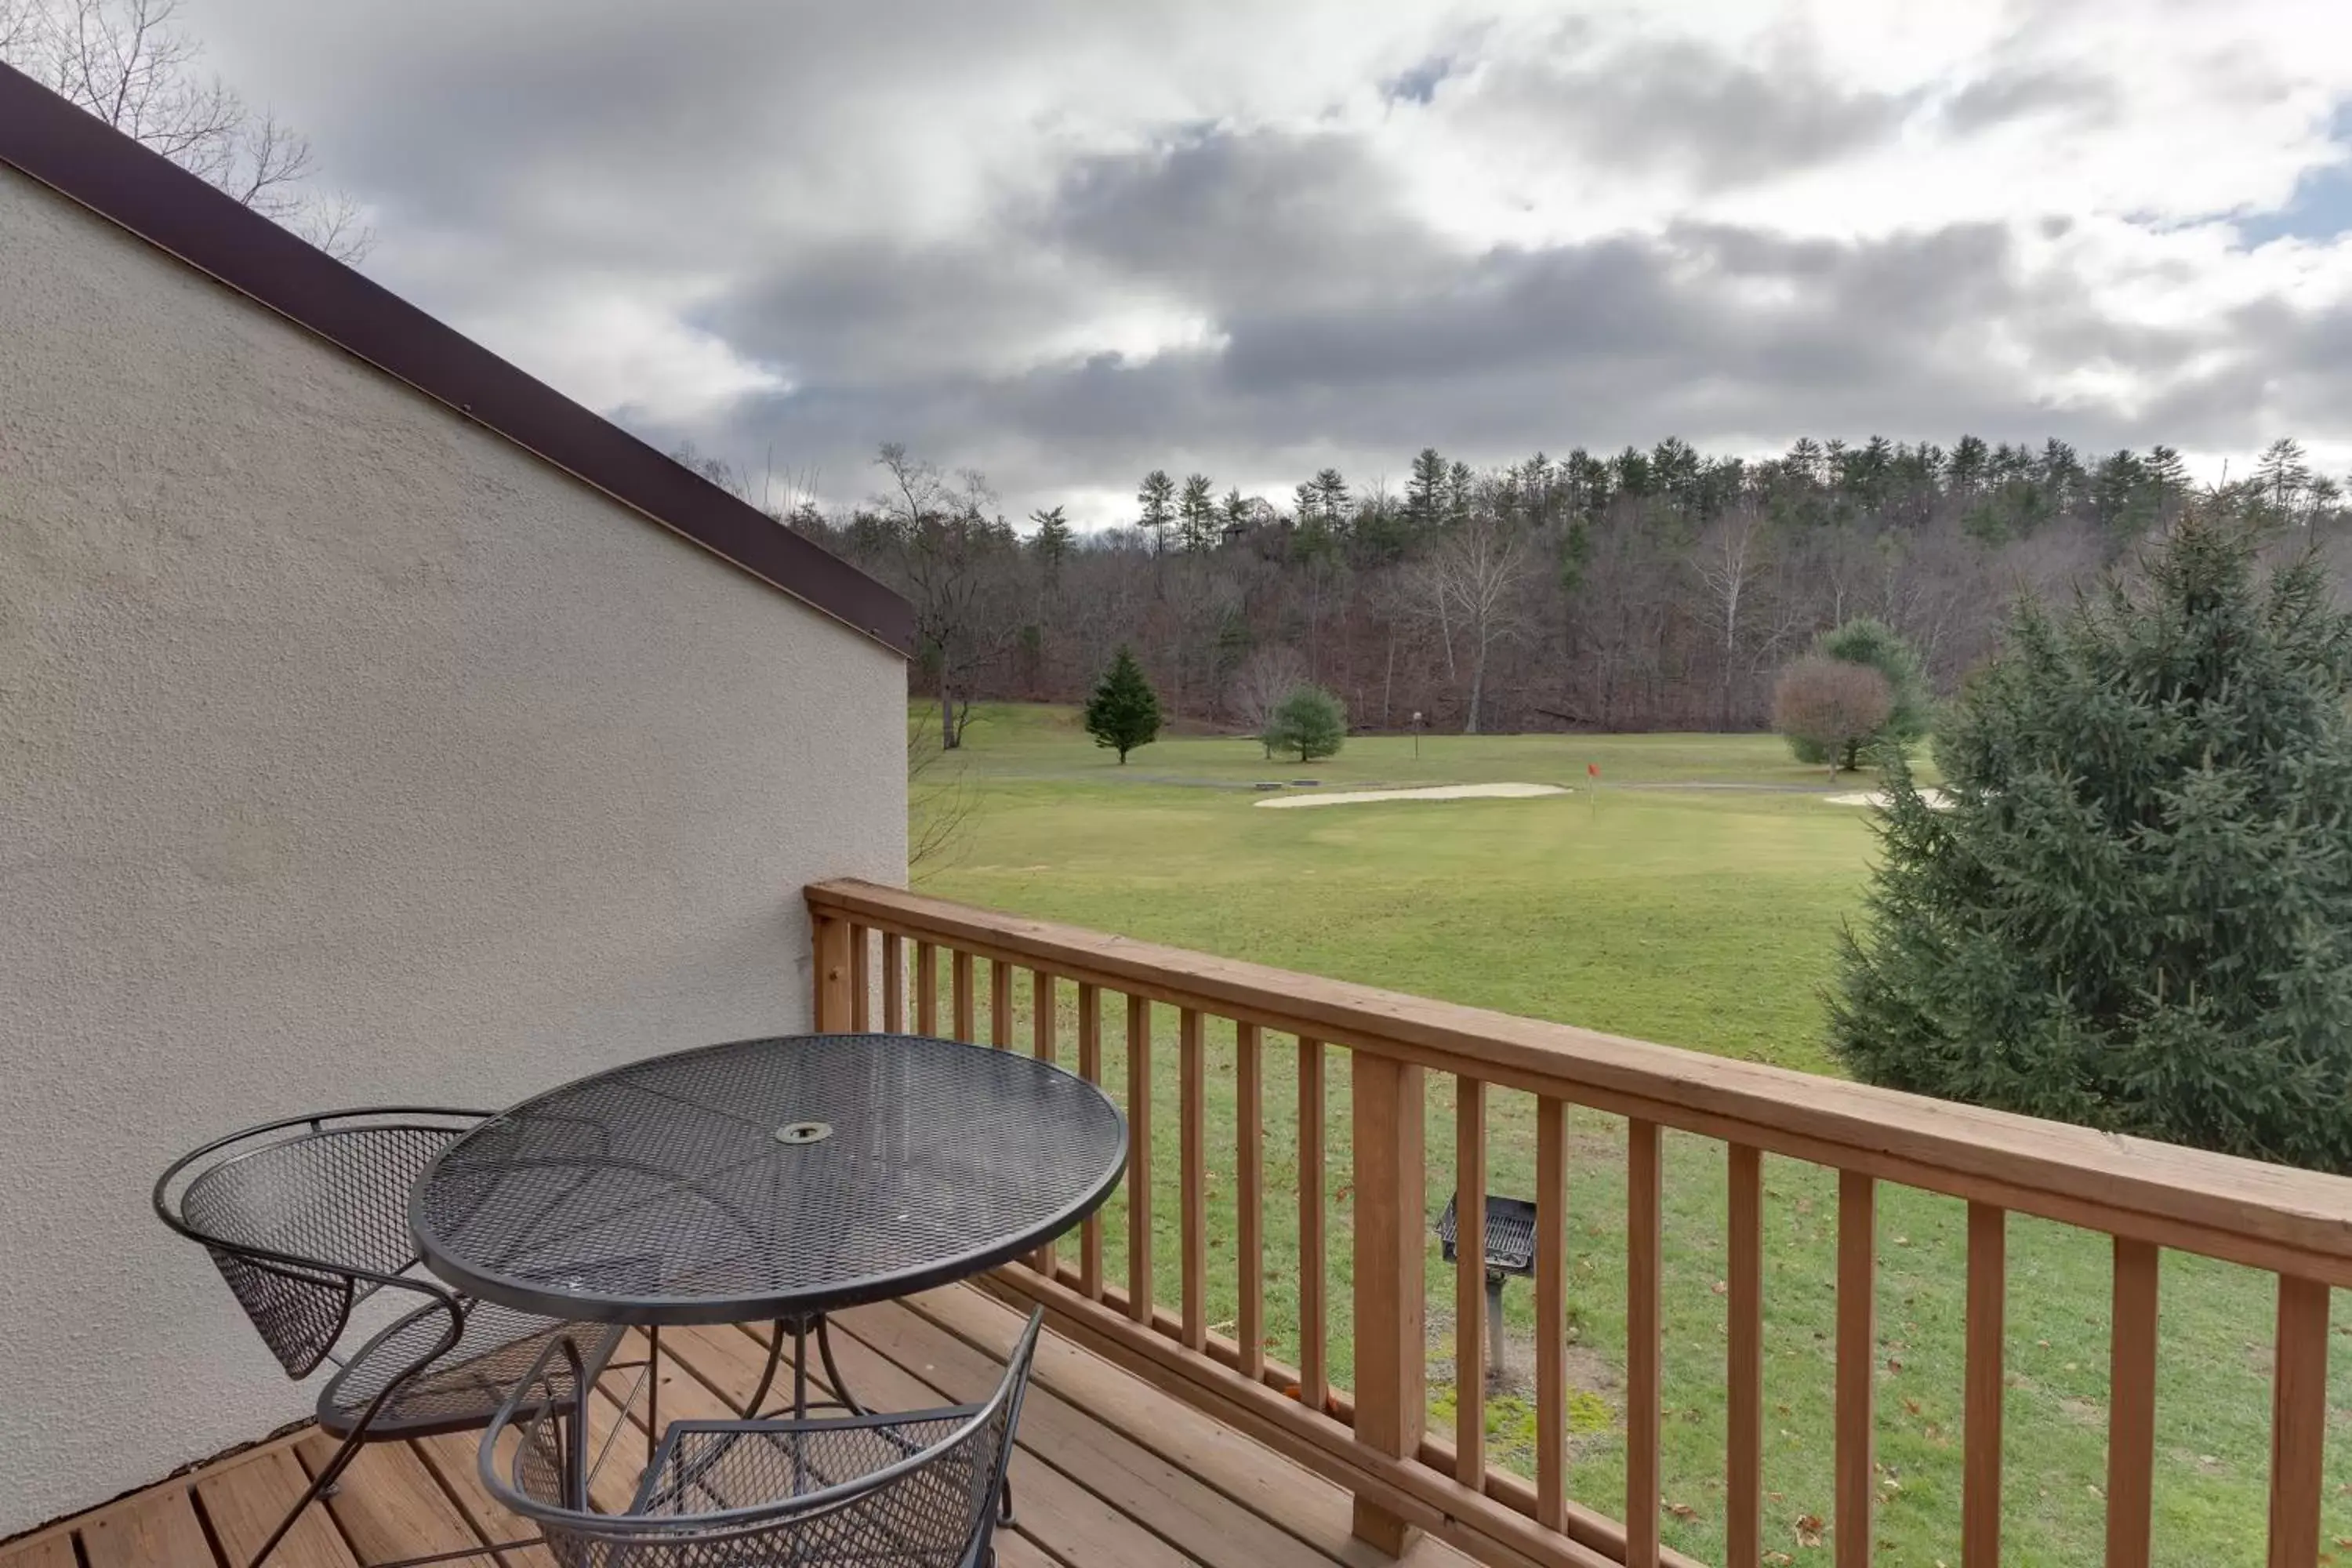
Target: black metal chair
column 306, row 1218
column 924, row 1489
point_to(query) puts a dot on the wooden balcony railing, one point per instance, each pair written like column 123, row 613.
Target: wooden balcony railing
column 2146, row 1196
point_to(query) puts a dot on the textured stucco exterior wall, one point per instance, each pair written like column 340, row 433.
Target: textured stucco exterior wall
column 347, row 754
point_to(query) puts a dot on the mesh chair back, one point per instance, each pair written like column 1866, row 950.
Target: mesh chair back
column 289, row 1215
column 920, row 1490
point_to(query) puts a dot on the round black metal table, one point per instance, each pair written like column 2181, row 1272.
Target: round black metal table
column 778, row 1179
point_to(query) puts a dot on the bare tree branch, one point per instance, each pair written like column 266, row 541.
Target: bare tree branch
column 128, row 62
column 940, row 800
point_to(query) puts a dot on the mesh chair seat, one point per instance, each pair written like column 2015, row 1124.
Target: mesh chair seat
column 916, row 1490
column 306, row 1218
column 460, row 1389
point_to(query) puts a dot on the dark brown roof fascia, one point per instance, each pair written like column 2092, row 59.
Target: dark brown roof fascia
column 88, row 161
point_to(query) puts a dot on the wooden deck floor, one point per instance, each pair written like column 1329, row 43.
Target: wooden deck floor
column 1109, row 1471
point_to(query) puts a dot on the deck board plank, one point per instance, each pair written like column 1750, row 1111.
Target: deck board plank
column 53, row 1551
column 1318, row 1511
column 1171, row 1504
column 455, row 1460
column 157, row 1529
column 389, row 1506
column 245, row 1503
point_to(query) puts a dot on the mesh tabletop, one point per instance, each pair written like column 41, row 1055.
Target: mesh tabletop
column 768, row 1178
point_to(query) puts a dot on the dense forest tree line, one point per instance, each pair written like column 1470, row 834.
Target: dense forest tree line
column 1657, row 589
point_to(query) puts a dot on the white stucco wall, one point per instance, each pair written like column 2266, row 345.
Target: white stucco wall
column 347, row 754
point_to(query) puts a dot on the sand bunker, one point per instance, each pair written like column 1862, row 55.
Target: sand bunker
column 1434, row 792
column 1936, row 799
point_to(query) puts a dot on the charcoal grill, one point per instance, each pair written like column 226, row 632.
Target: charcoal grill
column 1510, row 1249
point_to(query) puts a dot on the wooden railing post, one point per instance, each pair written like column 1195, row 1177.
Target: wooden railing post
column 829, row 974
column 1392, row 1367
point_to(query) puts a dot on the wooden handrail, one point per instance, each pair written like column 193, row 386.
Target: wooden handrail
column 1374, row 1439
column 2268, row 1217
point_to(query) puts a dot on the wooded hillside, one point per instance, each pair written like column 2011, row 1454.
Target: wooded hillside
column 1644, row 591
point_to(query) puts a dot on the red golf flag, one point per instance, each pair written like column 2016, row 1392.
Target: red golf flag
column 1592, row 768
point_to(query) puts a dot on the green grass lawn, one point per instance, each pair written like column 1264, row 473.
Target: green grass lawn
column 1701, row 917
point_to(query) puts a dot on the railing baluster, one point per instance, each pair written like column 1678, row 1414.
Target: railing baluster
column 1090, row 1241
column 2131, row 1405
column 894, row 983
column 1470, row 1282
column 926, row 988
column 1743, row 1532
column 1551, row 1311
column 1391, row 1296
column 1193, row 1131
column 999, row 1004
column 2298, row 1421
column 1644, row 1178
column 960, row 971
column 861, row 979
column 1041, row 1023
column 1139, row 1160
column 1981, row 1418
column 1314, row 1377
column 1249, row 1198
column 1857, row 1356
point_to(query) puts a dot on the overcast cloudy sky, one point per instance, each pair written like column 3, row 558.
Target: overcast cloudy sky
column 1065, row 243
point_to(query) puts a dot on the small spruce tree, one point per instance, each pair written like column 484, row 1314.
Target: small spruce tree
column 1124, row 712
column 2136, row 912
column 1310, row 720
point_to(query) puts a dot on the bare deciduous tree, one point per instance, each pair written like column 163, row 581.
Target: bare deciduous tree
column 940, row 798
column 129, row 63
column 1472, row 582
column 1729, row 556
column 1831, row 705
column 1267, row 677
column 15, row 26
column 958, row 568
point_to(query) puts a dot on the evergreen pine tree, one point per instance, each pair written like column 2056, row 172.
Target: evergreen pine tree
column 1425, row 491
column 1052, row 540
column 1155, row 500
column 1233, row 512
column 2136, row 912
column 1331, row 497
column 2282, row 474
column 1197, row 512
column 1310, row 720
column 1124, row 712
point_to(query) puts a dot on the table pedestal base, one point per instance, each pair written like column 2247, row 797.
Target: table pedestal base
column 801, row 1329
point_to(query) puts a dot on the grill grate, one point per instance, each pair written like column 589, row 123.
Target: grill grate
column 1510, row 1233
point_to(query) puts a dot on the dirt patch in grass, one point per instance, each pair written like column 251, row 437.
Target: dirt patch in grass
column 1594, row 1415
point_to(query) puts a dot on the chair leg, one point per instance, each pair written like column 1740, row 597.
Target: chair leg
column 653, row 1393
column 320, row 1487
